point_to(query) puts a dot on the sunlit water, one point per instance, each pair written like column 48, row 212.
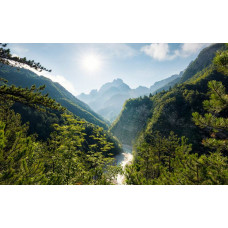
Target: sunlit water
column 124, row 159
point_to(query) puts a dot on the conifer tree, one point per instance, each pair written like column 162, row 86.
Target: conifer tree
column 7, row 58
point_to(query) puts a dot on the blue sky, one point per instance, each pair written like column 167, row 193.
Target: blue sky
column 83, row 67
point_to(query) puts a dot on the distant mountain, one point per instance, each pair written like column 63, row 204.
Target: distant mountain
column 166, row 83
column 109, row 100
column 26, row 78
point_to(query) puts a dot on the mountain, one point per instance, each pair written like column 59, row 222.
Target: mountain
column 172, row 110
column 109, row 100
column 26, row 78
column 203, row 60
column 166, row 83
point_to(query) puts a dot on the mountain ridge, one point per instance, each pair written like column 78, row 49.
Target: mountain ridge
column 26, row 78
column 103, row 100
column 170, row 110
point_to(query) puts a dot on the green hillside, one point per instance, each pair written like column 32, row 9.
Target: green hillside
column 171, row 110
column 25, row 78
column 184, row 140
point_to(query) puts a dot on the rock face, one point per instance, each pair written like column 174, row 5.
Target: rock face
column 132, row 119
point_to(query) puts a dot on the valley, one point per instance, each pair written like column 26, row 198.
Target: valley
column 171, row 132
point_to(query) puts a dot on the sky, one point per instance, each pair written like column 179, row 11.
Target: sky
column 83, row 67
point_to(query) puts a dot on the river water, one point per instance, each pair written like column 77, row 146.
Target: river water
column 124, row 159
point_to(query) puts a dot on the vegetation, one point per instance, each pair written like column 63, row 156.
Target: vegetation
column 170, row 160
column 75, row 151
column 25, row 78
column 185, row 138
column 132, row 119
column 7, row 58
column 180, row 135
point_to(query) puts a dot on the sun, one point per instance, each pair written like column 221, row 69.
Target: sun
column 91, row 62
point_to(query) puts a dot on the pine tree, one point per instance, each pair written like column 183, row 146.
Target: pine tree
column 7, row 58
column 213, row 120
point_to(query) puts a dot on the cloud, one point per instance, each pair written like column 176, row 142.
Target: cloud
column 188, row 49
column 61, row 80
column 162, row 52
column 157, row 51
column 56, row 78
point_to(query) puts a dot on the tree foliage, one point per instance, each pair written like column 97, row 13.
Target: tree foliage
column 7, row 58
column 77, row 152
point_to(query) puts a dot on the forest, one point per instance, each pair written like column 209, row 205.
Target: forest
column 179, row 132
column 41, row 142
column 184, row 140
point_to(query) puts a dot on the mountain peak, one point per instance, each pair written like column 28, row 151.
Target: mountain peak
column 119, row 80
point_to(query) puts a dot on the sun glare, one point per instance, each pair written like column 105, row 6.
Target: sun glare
column 91, row 62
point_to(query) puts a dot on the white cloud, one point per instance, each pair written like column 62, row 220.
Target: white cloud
column 162, row 51
column 188, row 49
column 56, row 78
column 61, row 80
column 157, row 51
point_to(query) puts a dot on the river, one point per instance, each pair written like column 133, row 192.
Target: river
column 123, row 159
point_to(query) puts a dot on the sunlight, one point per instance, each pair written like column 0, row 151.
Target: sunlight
column 91, row 62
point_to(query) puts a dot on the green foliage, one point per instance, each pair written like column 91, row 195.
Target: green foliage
column 167, row 159
column 77, row 152
column 19, row 158
column 26, row 79
column 132, row 119
column 217, row 125
column 221, row 61
column 31, row 97
column 170, row 160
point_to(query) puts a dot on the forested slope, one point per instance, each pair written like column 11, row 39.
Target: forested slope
column 75, row 151
column 186, row 139
column 25, row 78
column 171, row 110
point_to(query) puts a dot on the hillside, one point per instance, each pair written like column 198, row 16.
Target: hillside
column 132, row 120
column 166, row 83
column 25, row 78
column 172, row 110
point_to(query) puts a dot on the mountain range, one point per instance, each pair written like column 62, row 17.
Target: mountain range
column 109, row 99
